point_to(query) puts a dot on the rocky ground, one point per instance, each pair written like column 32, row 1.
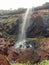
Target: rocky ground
column 38, row 52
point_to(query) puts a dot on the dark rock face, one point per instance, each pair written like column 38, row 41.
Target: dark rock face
column 14, row 27
column 38, row 26
column 1, row 26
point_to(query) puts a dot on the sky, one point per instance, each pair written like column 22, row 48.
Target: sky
column 15, row 4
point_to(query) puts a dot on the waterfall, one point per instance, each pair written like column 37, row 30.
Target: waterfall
column 23, row 28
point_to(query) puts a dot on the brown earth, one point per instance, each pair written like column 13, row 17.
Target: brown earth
column 3, row 60
column 23, row 56
column 38, row 52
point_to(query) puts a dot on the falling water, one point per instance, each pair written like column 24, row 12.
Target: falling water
column 22, row 36
column 24, row 26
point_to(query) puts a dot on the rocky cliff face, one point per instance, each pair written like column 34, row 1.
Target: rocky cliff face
column 39, row 26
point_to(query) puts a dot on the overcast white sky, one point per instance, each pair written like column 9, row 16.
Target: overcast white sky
column 14, row 4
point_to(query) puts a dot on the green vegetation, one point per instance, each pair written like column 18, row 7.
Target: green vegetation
column 22, row 64
column 46, row 62
column 37, row 38
column 10, row 20
column 15, row 11
column 8, row 35
column 40, row 37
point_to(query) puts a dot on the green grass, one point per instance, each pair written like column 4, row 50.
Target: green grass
column 8, row 35
column 10, row 20
column 22, row 64
column 45, row 62
column 37, row 38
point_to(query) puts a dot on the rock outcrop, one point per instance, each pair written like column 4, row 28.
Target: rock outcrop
column 38, row 26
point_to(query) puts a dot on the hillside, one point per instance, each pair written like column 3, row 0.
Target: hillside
column 37, row 36
column 39, row 22
column 44, row 6
column 39, row 25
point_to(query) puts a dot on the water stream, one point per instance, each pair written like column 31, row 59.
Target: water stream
column 22, row 36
